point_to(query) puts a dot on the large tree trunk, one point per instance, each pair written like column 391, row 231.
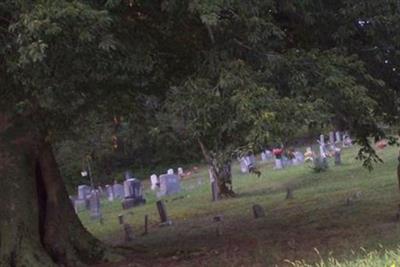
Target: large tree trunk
column 220, row 171
column 38, row 226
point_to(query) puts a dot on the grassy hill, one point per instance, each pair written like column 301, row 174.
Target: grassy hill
column 320, row 218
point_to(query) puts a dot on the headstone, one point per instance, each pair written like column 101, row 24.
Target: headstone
column 80, row 205
column 322, row 151
column 121, row 219
column 154, row 182
column 268, row 154
column 258, row 211
column 278, row 164
column 331, row 137
column 321, row 139
column 169, row 184
column 338, row 137
column 298, row 158
column 83, row 191
column 286, row 162
column 132, row 193
column 95, row 213
column 170, row 171
column 180, row 171
column 162, row 211
column 338, row 158
column 243, row 165
column 118, row 191
column 263, row 157
column 110, row 192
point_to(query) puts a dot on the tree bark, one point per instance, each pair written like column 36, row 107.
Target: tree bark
column 38, row 226
column 398, row 171
column 220, row 170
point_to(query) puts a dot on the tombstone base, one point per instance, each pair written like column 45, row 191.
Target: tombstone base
column 129, row 203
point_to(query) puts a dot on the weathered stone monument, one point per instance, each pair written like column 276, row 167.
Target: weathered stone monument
column 94, row 205
column 180, row 171
column 169, row 185
column 338, row 157
column 258, row 211
column 132, row 194
column 162, row 211
column 118, row 190
column 155, row 183
column 110, row 193
column 170, row 171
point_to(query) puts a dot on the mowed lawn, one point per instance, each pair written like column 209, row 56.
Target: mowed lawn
column 316, row 224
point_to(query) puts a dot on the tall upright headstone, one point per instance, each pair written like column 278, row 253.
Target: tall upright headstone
column 338, row 137
column 94, row 201
column 322, row 139
column 155, row 183
column 110, row 192
column 243, row 165
column 331, row 138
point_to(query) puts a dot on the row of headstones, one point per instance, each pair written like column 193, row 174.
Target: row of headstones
column 247, row 162
column 167, row 184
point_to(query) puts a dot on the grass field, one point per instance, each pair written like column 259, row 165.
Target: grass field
column 315, row 227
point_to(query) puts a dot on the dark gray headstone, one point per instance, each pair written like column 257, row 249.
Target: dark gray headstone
column 162, row 211
column 258, row 211
column 94, row 205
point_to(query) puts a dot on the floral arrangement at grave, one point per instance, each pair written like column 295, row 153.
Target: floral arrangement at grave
column 309, row 155
column 278, row 152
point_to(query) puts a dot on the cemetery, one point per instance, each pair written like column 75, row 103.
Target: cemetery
column 292, row 212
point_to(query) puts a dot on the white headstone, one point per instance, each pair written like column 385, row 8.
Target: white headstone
column 154, row 182
column 278, row 164
column 180, row 171
column 338, row 138
column 110, row 192
column 263, row 156
column 83, row 191
column 243, row 165
column 331, row 137
column 170, row 171
column 321, row 139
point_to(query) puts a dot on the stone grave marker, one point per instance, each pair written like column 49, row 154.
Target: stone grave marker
column 170, row 171
column 243, row 165
column 180, row 171
column 258, row 211
column 132, row 194
column 338, row 156
column 155, row 183
column 169, row 185
column 118, row 191
column 110, row 192
column 94, row 200
column 162, row 211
